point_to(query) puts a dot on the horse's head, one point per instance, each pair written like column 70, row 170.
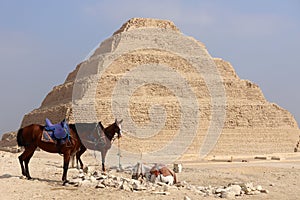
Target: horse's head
column 118, row 128
column 112, row 129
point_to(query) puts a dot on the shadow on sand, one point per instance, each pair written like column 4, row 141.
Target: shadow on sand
column 56, row 182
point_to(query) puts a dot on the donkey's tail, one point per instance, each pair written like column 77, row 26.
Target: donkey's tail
column 20, row 138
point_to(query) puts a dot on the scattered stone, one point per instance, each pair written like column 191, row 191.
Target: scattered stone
column 81, row 175
column 163, row 193
column 261, row 157
column 259, row 187
column 86, row 183
column 181, row 184
column 186, row 198
column 219, row 190
column 177, row 167
column 93, row 179
column 117, row 178
column 248, row 191
column 126, row 186
column 249, row 186
column 256, row 192
column 138, row 187
column 228, row 195
column 264, row 191
column 275, row 158
column 160, row 184
column 95, row 173
column 100, row 185
column 236, row 189
column 98, row 180
column 101, row 177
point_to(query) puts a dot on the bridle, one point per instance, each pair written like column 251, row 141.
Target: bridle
column 116, row 136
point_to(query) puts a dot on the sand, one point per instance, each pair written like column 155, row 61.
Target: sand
column 280, row 177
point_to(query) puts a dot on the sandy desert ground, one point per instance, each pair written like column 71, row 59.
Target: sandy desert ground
column 280, row 178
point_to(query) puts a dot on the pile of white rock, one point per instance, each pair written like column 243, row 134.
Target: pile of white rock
column 99, row 180
column 230, row 191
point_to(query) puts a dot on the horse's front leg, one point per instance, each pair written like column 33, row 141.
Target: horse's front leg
column 78, row 154
column 103, row 155
column 66, row 166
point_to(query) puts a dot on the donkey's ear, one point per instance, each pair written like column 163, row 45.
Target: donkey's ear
column 118, row 122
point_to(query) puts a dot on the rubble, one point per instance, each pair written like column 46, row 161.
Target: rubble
column 102, row 181
column 8, row 143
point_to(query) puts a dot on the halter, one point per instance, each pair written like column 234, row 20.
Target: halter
column 116, row 136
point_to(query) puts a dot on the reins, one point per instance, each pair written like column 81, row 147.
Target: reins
column 119, row 154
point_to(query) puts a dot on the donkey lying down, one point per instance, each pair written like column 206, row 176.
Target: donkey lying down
column 161, row 173
column 156, row 173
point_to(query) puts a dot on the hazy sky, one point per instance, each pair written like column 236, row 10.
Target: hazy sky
column 42, row 41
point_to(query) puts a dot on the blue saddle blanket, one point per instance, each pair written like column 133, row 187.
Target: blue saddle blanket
column 57, row 131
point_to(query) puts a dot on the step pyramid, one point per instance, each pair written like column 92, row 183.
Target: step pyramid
column 172, row 95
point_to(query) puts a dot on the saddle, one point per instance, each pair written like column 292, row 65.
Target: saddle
column 56, row 132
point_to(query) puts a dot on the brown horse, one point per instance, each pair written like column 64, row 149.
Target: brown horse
column 95, row 137
column 31, row 137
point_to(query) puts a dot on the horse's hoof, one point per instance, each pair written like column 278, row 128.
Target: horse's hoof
column 23, row 177
column 29, row 177
column 65, row 183
column 85, row 169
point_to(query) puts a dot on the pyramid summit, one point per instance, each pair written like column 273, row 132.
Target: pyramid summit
column 140, row 23
column 167, row 87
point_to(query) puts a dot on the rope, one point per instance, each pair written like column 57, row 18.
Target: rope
column 119, row 154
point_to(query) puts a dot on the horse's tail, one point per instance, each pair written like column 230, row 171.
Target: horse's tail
column 20, row 138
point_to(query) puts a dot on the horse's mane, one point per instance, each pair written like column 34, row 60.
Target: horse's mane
column 84, row 126
column 73, row 127
column 108, row 131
